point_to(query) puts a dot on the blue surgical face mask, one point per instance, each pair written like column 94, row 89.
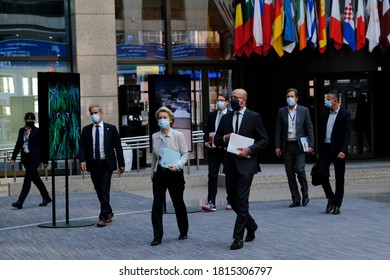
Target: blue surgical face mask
column 328, row 103
column 95, row 118
column 221, row 105
column 163, row 123
column 235, row 103
column 290, row 101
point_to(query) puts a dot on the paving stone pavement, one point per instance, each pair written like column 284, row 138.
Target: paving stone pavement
column 302, row 233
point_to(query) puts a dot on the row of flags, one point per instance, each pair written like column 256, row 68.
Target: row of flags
column 286, row 24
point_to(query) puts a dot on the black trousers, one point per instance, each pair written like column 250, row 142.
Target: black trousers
column 32, row 175
column 215, row 160
column 238, row 188
column 101, row 179
column 164, row 179
column 324, row 161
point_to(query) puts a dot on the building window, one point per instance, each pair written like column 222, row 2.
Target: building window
column 7, row 85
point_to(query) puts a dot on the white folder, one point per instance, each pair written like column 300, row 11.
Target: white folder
column 238, row 141
column 169, row 157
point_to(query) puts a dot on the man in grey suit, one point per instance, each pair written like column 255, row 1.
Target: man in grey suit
column 292, row 123
column 100, row 150
column 239, row 168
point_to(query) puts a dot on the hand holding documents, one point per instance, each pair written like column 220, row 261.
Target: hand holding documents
column 305, row 144
column 211, row 138
column 169, row 157
column 238, row 141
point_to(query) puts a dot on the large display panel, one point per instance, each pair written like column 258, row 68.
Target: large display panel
column 173, row 92
column 59, row 110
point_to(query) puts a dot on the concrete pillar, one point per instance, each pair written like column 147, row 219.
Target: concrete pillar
column 94, row 56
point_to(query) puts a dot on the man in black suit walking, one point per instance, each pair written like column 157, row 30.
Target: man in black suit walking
column 100, row 154
column 335, row 135
column 240, row 167
column 215, row 154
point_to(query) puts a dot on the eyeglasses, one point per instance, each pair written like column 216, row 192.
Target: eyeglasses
column 221, row 100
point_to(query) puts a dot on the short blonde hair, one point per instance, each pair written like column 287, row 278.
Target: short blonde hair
column 166, row 110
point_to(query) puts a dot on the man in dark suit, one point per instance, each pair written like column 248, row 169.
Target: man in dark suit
column 28, row 144
column 292, row 123
column 334, row 138
column 215, row 154
column 240, row 167
column 100, row 154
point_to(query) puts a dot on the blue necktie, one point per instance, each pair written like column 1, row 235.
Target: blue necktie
column 218, row 119
column 97, row 143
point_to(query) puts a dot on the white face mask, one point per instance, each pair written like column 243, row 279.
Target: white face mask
column 290, row 101
column 221, row 105
column 95, row 118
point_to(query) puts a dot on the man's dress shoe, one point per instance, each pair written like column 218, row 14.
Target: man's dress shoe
column 336, row 210
column 155, row 241
column 101, row 223
column 250, row 236
column 295, row 204
column 109, row 217
column 329, row 206
column 237, row 244
column 45, row 201
column 305, row 201
column 182, row 236
column 17, row 205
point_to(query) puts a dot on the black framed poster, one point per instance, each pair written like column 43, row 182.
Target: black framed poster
column 173, row 92
column 59, row 110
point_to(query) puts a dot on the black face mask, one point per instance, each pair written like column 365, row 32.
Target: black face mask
column 235, row 104
column 29, row 124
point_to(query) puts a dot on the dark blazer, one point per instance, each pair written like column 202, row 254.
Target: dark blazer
column 303, row 124
column 341, row 133
column 33, row 147
column 210, row 126
column 112, row 147
column 251, row 126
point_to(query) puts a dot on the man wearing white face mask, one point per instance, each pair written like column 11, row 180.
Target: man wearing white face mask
column 100, row 154
column 292, row 123
column 215, row 154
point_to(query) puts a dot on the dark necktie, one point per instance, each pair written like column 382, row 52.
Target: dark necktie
column 97, row 143
column 237, row 117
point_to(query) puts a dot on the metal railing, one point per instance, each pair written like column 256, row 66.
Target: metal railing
column 128, row 143
column 6, row 155
column 142, row 142
column 136, row 143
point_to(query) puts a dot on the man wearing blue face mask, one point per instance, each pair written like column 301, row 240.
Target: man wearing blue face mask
column 215, row 154
column 292, row 123
column 334, row 138
column 100, row 154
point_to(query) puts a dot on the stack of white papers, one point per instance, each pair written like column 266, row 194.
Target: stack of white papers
column 238, row 141
column 305, row 144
